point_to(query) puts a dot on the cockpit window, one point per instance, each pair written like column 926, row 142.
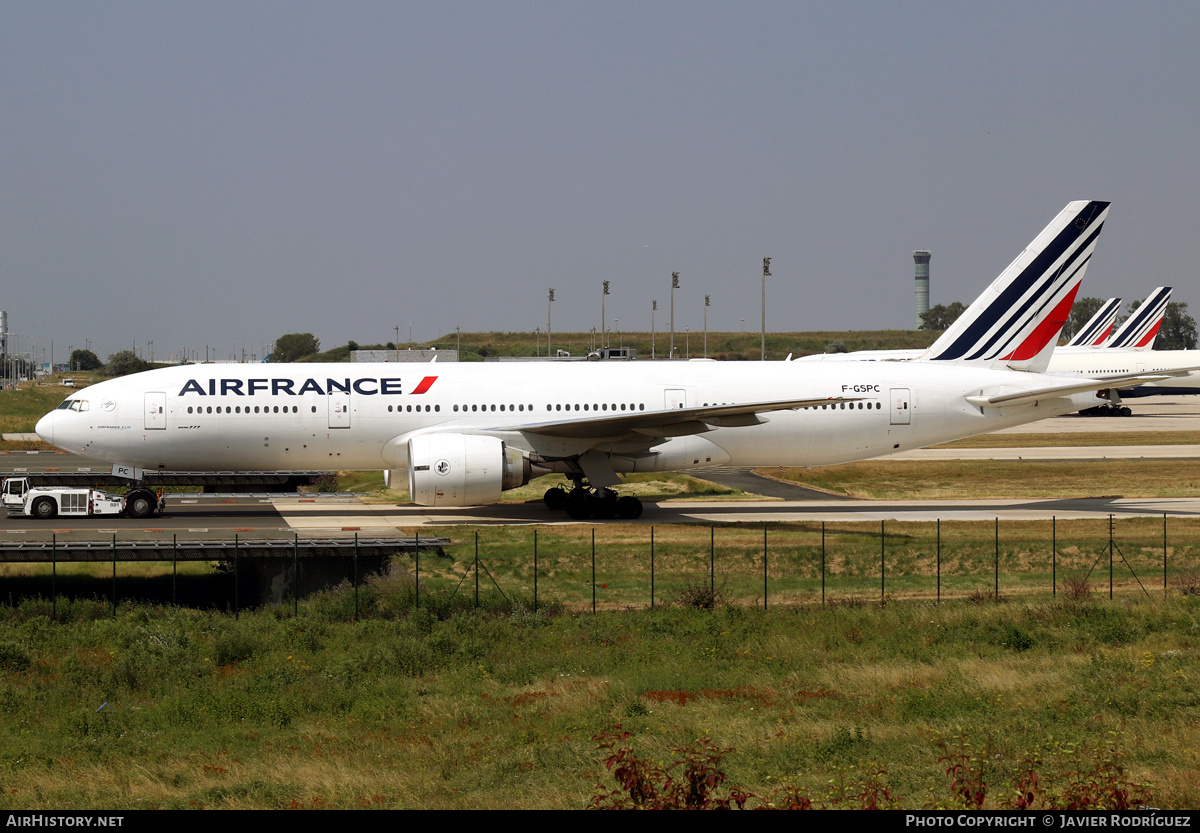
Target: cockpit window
column 73, row 405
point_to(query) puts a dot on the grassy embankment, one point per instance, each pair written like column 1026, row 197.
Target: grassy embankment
column 999, row 479
column 726, row 346
column 185, row 709
column 22, row 407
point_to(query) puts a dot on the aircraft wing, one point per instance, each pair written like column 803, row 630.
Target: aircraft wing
column 671, row 422
column 1120, row 380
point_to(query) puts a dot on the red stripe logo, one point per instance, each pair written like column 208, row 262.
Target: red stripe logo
column 1149, row 337
column 425, row 385
column 1045, row 331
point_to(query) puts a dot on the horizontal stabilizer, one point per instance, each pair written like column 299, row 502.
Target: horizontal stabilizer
column 1083, row 386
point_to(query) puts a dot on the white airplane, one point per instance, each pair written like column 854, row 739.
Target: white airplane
column 1128, row 352
column 1098, row 328
column 1140, row 329
column 467, row 432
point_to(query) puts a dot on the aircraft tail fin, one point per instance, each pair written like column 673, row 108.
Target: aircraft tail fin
column 1098, row 328
column 1016, row 321
column 1140, row 328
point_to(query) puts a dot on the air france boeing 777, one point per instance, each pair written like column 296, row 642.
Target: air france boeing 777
column 467, row 432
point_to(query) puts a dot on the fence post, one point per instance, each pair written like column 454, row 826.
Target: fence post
column 652, row 568
column 535, row 588
column 477, row 569
column 356, row 576
column 822, row 564
column 1164, row 555
column 712, row 559
column 1110, row 559
column 593, row 569
column 417, row 567
column 236, row 608
column 295, row 574
column 882, row 566
column 114, row 555
column 1054, row 556
column 996, row 591
column 174, row 568
column 54, row 576
column 764, row 566
column 939, row 560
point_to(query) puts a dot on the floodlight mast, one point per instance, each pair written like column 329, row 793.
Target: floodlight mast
column 549, row 301
column 766, row 274
column 674, row 286
column 653, row 307
column 603, row 293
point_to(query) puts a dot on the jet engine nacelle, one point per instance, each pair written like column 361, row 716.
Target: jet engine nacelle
column 462, row 469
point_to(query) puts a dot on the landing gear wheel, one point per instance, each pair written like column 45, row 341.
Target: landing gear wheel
column 605, row 504
column 44, row 508
column 1125, row 411
column 629, row 508
column 579, row 504
column 555, row 499
column 140, row 505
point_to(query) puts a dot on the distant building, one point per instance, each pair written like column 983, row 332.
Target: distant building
column 921, row 259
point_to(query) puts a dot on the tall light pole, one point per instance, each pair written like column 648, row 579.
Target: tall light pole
column 653, row 307
column 537, row 344
column 706, row 306
column 674, row 286
column 602, row 294
column 766, row 274
column 617, row 324
column 549, row 301
column 458, row 341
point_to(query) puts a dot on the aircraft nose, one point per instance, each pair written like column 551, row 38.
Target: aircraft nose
column 45, row 428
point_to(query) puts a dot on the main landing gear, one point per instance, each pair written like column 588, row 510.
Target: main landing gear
column 583, row 502
column 1107, row 411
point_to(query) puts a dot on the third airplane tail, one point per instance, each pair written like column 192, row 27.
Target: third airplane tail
column 1140, row 329
column 1096, row 331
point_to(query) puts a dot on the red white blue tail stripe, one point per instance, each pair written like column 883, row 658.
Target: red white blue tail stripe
column 1016, row 321
column 1139, row 330
column 1098, row 327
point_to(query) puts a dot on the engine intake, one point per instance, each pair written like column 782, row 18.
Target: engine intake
column 463, row 469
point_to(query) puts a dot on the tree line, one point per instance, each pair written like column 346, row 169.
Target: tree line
column 1178, row 330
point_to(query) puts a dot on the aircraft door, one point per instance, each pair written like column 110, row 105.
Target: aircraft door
column 339, row 410
column 156, row 410
column 675, row 398
column 901, row 415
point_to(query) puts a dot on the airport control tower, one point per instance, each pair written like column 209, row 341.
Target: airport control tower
column 921, row 258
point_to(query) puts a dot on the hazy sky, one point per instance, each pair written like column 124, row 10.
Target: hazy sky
column 219, row 174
